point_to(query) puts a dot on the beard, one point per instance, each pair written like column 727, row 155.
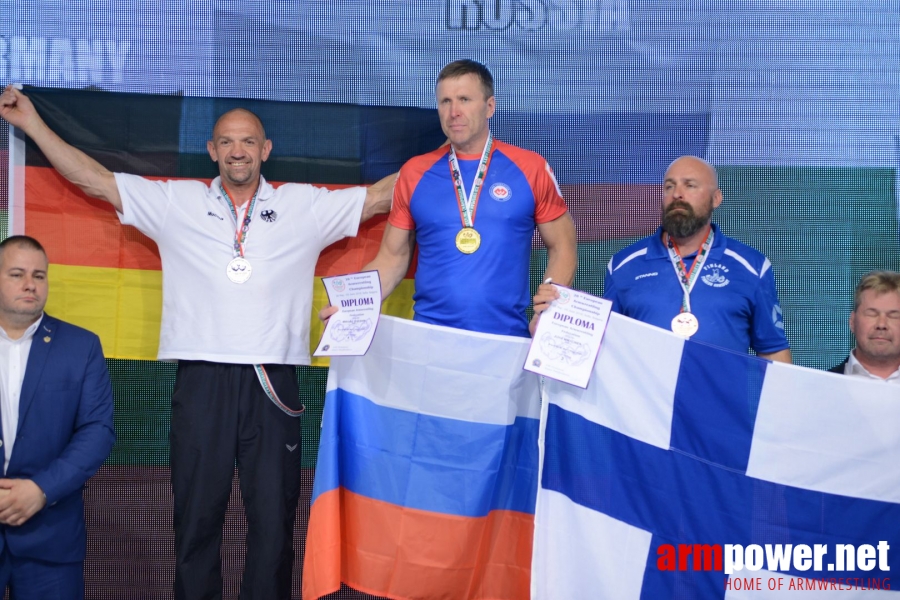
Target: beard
column 684, row 224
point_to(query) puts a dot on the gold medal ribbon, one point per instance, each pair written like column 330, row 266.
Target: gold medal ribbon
column 468, row 204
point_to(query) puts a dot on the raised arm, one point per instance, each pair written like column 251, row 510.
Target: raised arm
column 378, row 198
column 94, row 179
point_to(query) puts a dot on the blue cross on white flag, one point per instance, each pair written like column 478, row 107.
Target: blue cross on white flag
column 682, row 462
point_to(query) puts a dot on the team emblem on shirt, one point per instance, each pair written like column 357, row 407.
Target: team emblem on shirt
column 777, row 317
column 501, row 192
column 715, row 275
column 269, row 215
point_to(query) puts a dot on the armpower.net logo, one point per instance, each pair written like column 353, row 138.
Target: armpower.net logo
column 821, row 564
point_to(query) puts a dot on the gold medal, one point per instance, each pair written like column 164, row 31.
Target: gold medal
column 468, row 240
column 685, row 324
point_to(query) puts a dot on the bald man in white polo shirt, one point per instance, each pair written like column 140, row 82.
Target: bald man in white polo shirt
column 238, row 259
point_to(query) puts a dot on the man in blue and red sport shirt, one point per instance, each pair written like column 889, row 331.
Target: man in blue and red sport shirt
column 472, row 206
column 691, row 278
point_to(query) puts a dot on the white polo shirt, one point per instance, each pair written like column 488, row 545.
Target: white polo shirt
column 204, row 315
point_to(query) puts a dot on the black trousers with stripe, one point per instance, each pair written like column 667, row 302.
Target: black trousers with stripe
column 220, row 414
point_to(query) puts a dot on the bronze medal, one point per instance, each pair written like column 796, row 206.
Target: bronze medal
column 685, row 324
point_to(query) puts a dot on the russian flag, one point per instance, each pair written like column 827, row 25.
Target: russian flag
column 676, row 444
column 427, row 469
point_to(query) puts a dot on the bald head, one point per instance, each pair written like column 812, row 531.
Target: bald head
column 239, row 114
column 690, row 195
column 239, row 146
column 699, row 167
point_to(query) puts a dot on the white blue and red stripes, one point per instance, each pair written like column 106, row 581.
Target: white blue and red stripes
column 427, row 471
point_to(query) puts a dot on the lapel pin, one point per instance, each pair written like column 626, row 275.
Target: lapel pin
column 47, row 338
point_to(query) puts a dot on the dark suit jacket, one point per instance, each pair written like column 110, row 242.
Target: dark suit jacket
column 65, row 433
column 839, row 369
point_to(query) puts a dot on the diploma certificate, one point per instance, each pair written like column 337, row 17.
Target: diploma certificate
column 350, row 330
column 568, row 336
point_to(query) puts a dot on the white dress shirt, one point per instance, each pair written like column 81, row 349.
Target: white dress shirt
column 13, row 360
column 854, row 367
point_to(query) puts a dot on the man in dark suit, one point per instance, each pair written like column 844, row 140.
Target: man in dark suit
column 875, row 321
column 56, row 420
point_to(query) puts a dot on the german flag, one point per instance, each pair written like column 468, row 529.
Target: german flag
column 106, row 277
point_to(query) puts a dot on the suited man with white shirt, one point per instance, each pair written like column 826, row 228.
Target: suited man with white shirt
column 875, row 322
column 56, row 420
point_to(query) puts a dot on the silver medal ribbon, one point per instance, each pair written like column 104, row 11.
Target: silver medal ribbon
column 688, row 279
column 273, row 395
column 242, row 226
column 239, row 268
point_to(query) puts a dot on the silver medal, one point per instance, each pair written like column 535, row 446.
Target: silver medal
column 238, row 270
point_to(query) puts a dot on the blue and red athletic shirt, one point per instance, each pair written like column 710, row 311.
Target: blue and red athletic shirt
column 488, row 290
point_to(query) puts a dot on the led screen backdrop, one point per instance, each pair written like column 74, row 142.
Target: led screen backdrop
column 795, row 101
